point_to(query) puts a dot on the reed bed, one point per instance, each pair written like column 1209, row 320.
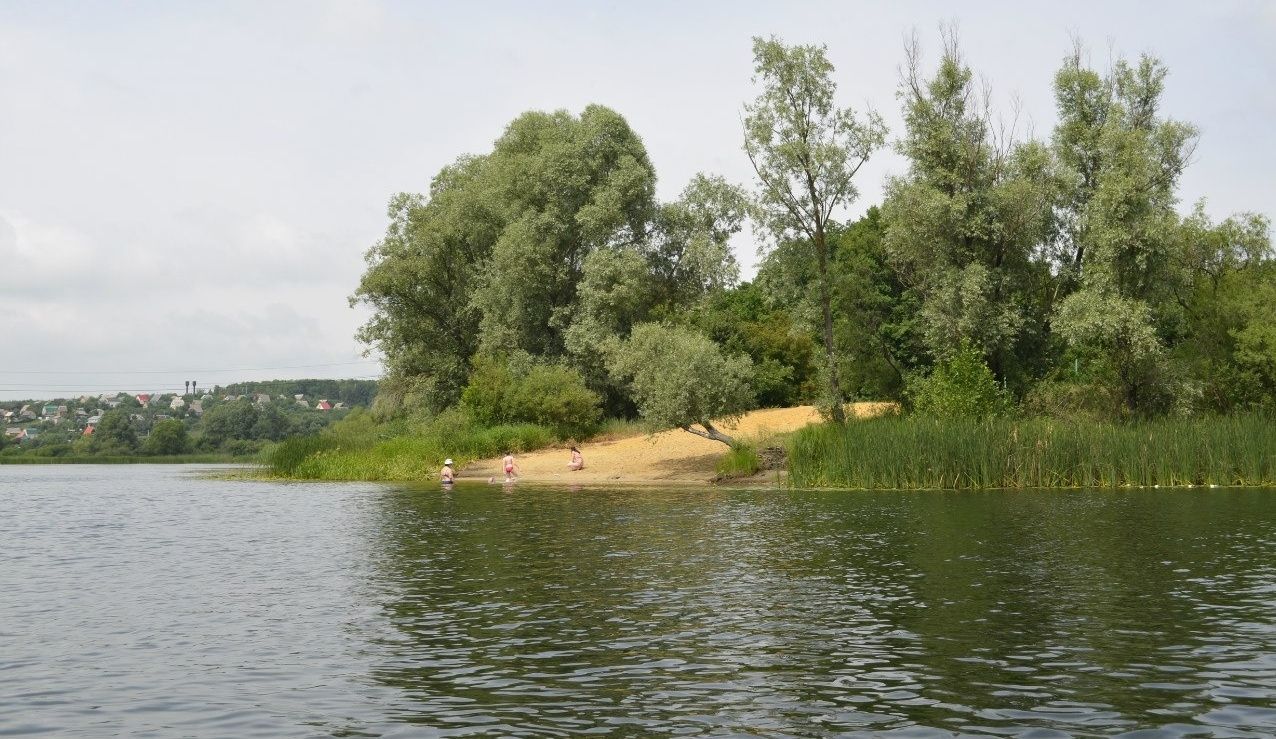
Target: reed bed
column 740, row 461
column 914, row 453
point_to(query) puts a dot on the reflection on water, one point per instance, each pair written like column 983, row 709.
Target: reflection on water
column 156, row 602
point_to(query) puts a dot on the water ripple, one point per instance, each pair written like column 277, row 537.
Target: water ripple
column 146, row 601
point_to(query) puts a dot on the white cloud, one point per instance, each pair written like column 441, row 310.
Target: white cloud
column 39, row 257
column 359, row 19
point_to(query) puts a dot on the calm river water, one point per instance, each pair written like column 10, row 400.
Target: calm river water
column 147, row 601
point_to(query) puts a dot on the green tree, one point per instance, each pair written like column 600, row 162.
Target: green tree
column 679, row 378
column 1230, row 334
column 783, row 352
column 689, row 255
column 115, row 435
column 805, row 153
column 494, row 255
column 878, row 326
column 167, row 437
column 964, row 225
column 1119, row 249
column 562, row 187
column 229, row 422
column 272, row 424
column 685, row 261
column 418, row 285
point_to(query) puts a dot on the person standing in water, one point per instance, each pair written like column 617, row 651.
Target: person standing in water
column 447, row 476
column 510, row 467
column 578, row 462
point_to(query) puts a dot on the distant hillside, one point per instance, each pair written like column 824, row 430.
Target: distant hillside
column 234, row 420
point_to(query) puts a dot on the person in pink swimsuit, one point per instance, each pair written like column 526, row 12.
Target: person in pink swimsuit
column 510, row 467
column 578, row 462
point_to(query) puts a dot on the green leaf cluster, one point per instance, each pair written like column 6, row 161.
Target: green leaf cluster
column 960, row 386
column 521, row 390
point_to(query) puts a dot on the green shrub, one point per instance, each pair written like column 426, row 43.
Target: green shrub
column 360, row 448
column 959, row 387
column 510, row 391
column 484, row 396
column 167, row 437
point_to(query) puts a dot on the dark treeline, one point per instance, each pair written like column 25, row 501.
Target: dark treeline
column 543, row 281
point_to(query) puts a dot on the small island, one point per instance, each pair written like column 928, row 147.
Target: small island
column 1033, row 307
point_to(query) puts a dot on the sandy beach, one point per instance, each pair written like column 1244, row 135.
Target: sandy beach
column 670, row 457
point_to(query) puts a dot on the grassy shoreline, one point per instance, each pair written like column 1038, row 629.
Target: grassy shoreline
column 887, row 453
column 913, row 453
column 362, row 449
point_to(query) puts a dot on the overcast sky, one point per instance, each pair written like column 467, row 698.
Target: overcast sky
column 187, row 189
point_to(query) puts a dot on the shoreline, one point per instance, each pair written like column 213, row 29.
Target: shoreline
column 667, row 457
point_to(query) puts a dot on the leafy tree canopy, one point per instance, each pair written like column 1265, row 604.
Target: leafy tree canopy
column 679, row 378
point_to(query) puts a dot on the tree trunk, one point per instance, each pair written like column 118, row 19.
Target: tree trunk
column 710, row 433
column 835, row 386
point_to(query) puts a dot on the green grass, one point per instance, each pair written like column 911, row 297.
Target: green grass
column 914, row 452
column 741, row 461
column 619, row 428
column 359, row 448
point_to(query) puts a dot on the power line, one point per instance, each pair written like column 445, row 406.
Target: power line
column 7, row 386
column 4, row 372
column 95, row 389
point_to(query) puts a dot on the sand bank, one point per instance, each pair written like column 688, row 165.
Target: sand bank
column 670, row 457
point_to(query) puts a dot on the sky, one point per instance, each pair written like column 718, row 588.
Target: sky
column 187, row 189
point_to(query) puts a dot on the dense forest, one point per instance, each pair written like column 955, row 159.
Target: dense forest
column 543, row 281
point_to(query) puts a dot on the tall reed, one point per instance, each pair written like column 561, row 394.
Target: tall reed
column 740, row 461
column 913, row 452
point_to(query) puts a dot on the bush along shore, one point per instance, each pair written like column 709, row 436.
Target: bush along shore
column 361, row 448
column 916, row 453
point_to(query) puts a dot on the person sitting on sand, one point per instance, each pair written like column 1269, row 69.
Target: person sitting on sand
column 447, row 476
column 578, row 462
column 510, row 467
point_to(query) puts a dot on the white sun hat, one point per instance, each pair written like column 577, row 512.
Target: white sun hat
column 447, row 461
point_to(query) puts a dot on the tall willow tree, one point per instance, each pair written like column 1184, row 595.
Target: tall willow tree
column 418, row 284
column 805, row 152
column 492, row 258
column 684, row 259
column 1120, row 250
column 965, row 224
column 565, row 188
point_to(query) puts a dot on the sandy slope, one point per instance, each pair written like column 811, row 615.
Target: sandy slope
column 668, row 457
